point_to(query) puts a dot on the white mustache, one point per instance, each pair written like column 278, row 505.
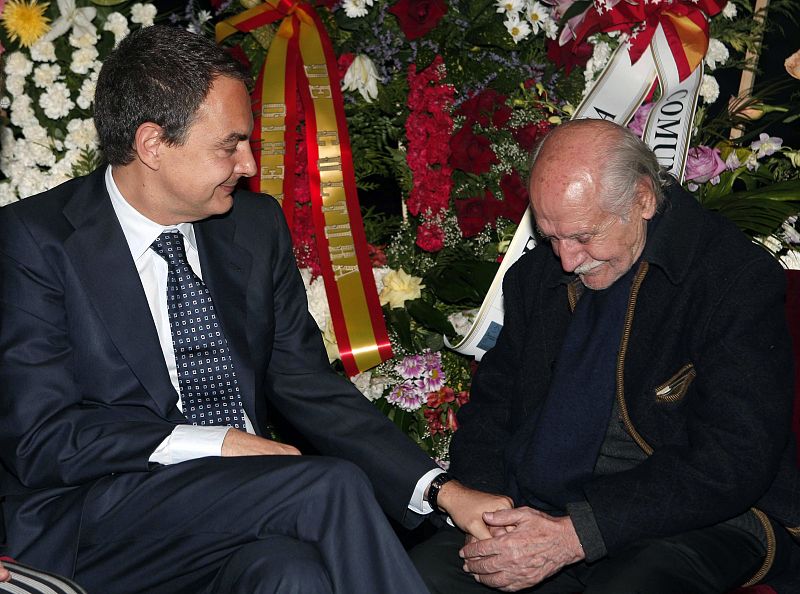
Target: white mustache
column 587, row 267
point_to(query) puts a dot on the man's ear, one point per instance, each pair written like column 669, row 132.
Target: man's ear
column 646, row 197
column 148, row 143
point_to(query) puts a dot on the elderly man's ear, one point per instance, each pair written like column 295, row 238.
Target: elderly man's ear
column 148, row 144
column 646, row 198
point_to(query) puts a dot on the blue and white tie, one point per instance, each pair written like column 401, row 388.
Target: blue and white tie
column 207, row 379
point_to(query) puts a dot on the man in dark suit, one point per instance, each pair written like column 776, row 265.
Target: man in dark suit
column 148, row 313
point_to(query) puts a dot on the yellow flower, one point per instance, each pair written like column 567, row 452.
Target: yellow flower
column 25, row 21
column 399, row 287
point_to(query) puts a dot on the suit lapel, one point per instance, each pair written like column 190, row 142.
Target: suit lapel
column 226, row 271
column 103, row 261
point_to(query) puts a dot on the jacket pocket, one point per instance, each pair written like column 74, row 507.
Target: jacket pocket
column 674, row 389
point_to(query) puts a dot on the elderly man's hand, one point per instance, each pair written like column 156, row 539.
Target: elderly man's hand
column 528, row 547
column 5, row 575
column 466, row 507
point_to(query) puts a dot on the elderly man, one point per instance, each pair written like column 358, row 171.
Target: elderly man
column 636, row 406
column 150, row 314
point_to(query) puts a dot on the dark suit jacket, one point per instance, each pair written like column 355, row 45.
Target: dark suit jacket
column 84, row 389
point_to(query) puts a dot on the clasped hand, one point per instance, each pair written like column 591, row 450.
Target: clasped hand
column 526, row 546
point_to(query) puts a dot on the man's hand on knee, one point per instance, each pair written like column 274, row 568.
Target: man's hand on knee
column 5, row 575
column 528, row 547
column 466, row 507
column 241, row 443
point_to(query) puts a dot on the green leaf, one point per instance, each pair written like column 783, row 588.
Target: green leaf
column 464, row 282
column 400, row 322
column 430, row 317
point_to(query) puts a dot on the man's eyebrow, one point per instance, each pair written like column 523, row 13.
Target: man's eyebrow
column 233, row 137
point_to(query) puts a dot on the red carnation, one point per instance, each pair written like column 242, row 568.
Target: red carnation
column 377, row 257
column 470, row 152
column 417, row 17
column 475, row 213
column 527, row 136
column 430, row 237
column 485, row 105
column 515, row 196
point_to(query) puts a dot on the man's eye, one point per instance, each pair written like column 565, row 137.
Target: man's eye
column 584, row 239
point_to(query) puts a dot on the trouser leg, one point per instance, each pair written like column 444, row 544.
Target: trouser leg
column 29, row 579
column 172, row 530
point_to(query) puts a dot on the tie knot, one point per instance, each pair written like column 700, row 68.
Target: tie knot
column 169, row 245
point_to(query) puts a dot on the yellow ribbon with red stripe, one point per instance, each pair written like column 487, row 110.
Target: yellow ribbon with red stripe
column 300, row 62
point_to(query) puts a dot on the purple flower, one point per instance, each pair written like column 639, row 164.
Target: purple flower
column 433, row 380
column 703, row 164
column 411, row 367
column 639, row 120
column 766, row 144
column 406, row 396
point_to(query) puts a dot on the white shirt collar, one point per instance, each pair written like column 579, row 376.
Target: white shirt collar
column 140, row 232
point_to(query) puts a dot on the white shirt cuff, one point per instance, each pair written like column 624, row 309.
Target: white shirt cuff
column 189, row 442
column 418, row 503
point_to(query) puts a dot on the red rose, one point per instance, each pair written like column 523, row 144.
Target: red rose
column 485, row 105
column 430, row 237
column 527, row 136
column 570, row 55
column 417, row 17
column 470, row 152
column 377, row 257
column 475, row 213
column 515, row 197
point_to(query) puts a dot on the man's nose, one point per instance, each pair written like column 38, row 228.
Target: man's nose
column 246, row 165
column 571, row 254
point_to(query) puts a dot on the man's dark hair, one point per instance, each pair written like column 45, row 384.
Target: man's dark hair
column 157, row 74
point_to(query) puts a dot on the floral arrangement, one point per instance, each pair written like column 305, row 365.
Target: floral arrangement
column 52, row 53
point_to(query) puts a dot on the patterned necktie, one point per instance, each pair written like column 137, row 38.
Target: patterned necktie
column 209, row 389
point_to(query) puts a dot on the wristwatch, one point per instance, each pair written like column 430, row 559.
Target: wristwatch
column 433, row 489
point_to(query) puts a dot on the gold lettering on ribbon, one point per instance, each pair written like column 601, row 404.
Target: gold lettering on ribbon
column 342, row 252
column 273, row 128
column 342, row 270
column 273, row 110
column 337, row 207
column 273, row 148
column 338, row 230
column 328, row 138
column 330, row 163
column 272, row 172
column 320, row 91
column 316, row 70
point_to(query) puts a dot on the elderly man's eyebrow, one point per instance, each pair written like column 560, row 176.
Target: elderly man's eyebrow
column 233, row 137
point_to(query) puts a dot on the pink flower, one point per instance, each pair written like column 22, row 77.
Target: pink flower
column 406, row 396
column 640, row 119
column 703, row 164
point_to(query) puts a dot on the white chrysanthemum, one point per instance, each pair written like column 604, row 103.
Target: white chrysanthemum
column 36, row 133
column 379, row 274
column 81, row 134
column 117, row 24
column 537, row 16
column 551, row 29
column 15, row 85
column 518, row 29
column 709, row 88
column 8, row 193
column 729, row 12
column 6, row 143
column 87, row 90
column 356, row 8
column 33, row 182
column 717, row 53
column 43, row 51
column 45, row 75
column 56, row 101
column 600, row 55
column 462, row 320
column 509, row 6
column 362, row 76
column 39, row 152
column 143, row 14
column 83, row 60
column 83, row 39
column 22, row 114
column 372, row 385
column 18, row 64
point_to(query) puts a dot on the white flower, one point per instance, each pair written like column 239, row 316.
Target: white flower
column 732, row 162
column 17, row 64
column 752, row 163
column 86, row 92
column 551, row 29
column 399, row 287
column 729, row 11
column 7, row 194
column 143, row 14
column 203, row 16
column 600, row 55
column 83, row 60
column 462, row 321
column 356, row 8
column 81, row 134
column 79, row 20
column 518, row 30
column 372, row 385
column 362, row 76
column 43, row 51
column 22, row 114
column 56, row 101
column 15, row 85
column 509, row 6
column 766, row 145
column 83, row 39
column 35, row 132
column 33, row 182
column 717, row 53
column 709, row 88
column 45, row 75
column 118, row 25
column 537, row 16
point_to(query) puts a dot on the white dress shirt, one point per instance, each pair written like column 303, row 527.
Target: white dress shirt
column 186, row 442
